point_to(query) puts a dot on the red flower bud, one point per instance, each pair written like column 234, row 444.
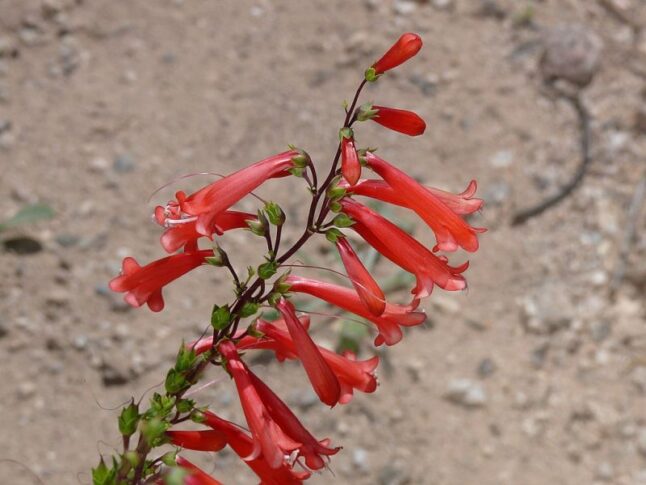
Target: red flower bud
column 406, row 47
column 400, row 120
column 350, row 166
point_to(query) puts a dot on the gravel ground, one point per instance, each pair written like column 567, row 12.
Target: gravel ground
column 536, row 375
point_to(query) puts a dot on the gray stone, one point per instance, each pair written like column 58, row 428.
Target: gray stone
column 466, row 393
column 360, row 459
column 393, row 475
column 571, row 53
column 486, row 367
column 123, row 163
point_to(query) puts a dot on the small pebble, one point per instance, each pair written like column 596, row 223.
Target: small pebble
column 123, row 164
column 466, row 393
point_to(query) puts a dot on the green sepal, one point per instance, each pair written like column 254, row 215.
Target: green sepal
column 154, row 432
column 267, row 270
column 256, row 227
column 102, row 475
column 274, row 213
column 160, row 405
column 175, row 382
column 274, row 298
column 220, row 316
column 301, row 160
column 175, row 476
column 185, row 359
column 280, row 286
column 333, row 234
column 254, row 332
column 219, row 257
column 366, row 112
column 197, row 416
column 371, row 75
column 336, row 193
column 248, row 309
column 133, row 458
column 335, row 206
column 185, row 405
column 169, row 458
column 346, row 132
column 128, row 419
column 296, row 171
column 343, row 220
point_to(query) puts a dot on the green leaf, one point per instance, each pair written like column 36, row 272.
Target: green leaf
column 28, row 215
column 220, row 317
column 128, row 419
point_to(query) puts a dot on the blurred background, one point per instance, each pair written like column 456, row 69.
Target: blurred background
column 535, row 375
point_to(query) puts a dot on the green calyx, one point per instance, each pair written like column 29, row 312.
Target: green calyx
column 346, row 133
column 129, row 419
column 333, row 234
column 219, row 257
column 371, row 75
column 366, row 112
column 220, row 317
column 248, row 309
column 301, row 160
column 343, row 220
column 275, row 214
column 268, row 269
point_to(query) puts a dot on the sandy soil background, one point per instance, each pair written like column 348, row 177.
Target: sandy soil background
column 103, row 101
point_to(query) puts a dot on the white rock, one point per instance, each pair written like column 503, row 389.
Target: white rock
column 466, row 393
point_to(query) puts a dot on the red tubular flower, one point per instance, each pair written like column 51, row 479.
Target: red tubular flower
column 367, row 288
column 462, row 203
column 205, row 205
column 269, row 439
column 144, row 284
column 346, row 298
column 323, row 380
column 195, row 476
column 450, row 230
column 350, row 166
column 243, row 446
column 311, row 449
column 406, row 47
column 211, row 440
column 404, row 250
column 351, row 373
column 400, row 120
column 179, row 234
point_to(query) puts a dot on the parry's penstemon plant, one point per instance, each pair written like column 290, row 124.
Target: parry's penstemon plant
column 273, row 443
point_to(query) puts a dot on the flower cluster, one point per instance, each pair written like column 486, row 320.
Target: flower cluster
column 273, row 443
